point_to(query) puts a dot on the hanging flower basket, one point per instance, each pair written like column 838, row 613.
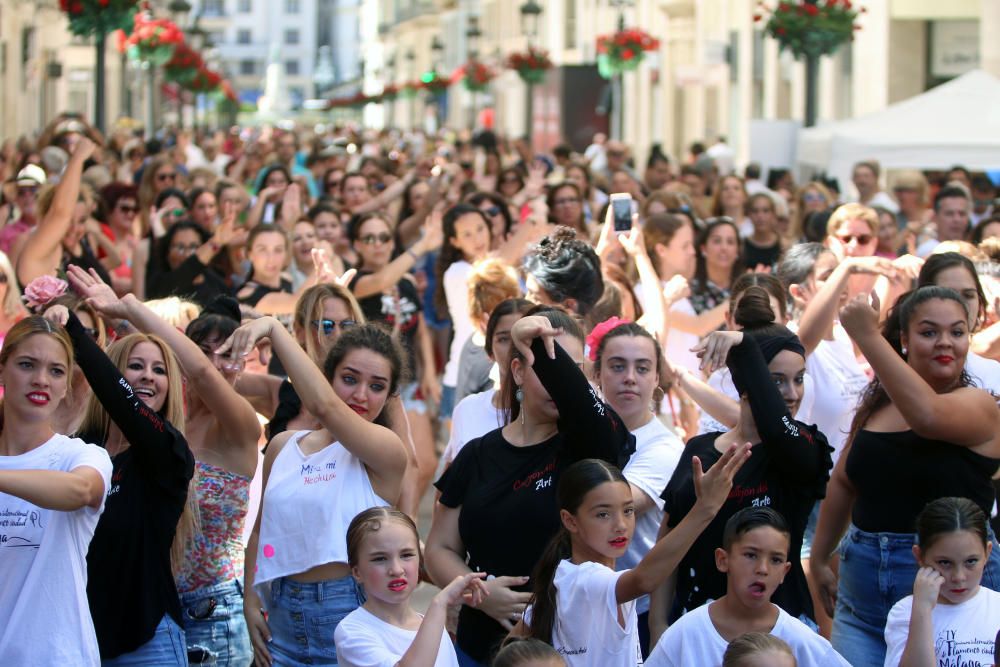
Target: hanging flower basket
column 475, row 76
column 204, row 81
column 623, row 51
column 811, row 29
column 98, row 17
column 530, row 65
column 435, row 82
column 183, row 66
column 153, row 41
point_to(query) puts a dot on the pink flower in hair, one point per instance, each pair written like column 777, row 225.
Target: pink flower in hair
column 599, row 332
column 43, row 289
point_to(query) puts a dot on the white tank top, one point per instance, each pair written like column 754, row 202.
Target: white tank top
column 309, row 502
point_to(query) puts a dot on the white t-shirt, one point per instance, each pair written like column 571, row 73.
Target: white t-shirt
column 840, row 379
column 885, row 200
column 587, row 632
column 657, row 451
column 984, row 372
column 365, row 640
column 456, row 291
column 679, row 344
column 964, row 634
column 693, row 640
column 43, row 561
column 722, row 381
column 472, row 418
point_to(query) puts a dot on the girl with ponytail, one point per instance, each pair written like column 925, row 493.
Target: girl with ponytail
column 789, row 463
column 580, row 604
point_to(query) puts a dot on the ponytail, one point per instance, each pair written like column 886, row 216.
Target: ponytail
column 543, row 594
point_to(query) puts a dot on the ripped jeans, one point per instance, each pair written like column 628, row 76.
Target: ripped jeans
column 215, row 627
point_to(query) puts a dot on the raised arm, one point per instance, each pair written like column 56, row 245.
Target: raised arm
column 379, row 449
column 712, row 489
column 392, row 272
column 967, row 417
column 42, row 243
column 384, row 198
column 819, row 315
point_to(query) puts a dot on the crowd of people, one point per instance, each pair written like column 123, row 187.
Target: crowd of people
column 666, row 413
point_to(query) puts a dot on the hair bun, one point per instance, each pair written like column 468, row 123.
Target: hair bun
column 226, row 306
column 754, row 309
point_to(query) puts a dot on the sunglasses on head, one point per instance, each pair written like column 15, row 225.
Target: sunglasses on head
column 372, row 239
column 862, row 239
column 329, row 326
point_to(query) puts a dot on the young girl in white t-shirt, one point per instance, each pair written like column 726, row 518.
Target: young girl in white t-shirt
column 580, row 604
column 950, row 619
column 383, row 550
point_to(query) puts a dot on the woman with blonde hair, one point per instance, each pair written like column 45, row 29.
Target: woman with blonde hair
column 60, row 483
column 913, row 195
column 729, row 200
column 137, row 415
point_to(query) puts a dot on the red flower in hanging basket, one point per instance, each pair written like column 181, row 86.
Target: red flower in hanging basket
column 624, row 49
column 98, row 17
column 530, row 65
column 812, row 29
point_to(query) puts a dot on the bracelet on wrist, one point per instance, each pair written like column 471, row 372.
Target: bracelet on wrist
column 414, row 255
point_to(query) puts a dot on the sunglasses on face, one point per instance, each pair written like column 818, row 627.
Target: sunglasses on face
column 492, row 210
column 862, row 239
column 127, row 210
column 333, row 185
column 329, row 326
column 166, row 177
column 30, row 190
column 509, row 181
column 376, row 239
column 813, row 197
column 185, row 248
column 565, row 201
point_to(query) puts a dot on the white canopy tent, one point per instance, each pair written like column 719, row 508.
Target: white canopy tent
column 957, row 122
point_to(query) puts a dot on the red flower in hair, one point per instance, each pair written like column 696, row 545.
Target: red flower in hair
column 599, row 332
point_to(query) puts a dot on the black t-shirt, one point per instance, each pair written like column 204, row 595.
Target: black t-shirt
column 383, row 307
column 507, row 494
column 897, row 474
column 259, row 291
column 787, row 471
column 754, row 254
column 130, row 584
column 184, row 282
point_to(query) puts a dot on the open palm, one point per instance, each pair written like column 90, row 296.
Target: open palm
column 97, row 293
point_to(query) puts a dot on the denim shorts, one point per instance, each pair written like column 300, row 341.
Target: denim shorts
column 877, row 571
column 215, row 627
column 447, row 402
column 166, row 648
column 302, row 619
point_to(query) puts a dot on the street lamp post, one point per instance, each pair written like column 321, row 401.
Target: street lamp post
column 472, row 35
column 410, row 59
column 618, row 82
column 530, row 11
column 390, row 77
column 179, row 10
column 437, row 48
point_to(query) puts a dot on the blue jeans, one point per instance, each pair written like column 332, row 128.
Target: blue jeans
column 447, row 402
column 167, row 647
column 877, row 571
column 302, row 618
column 215, row 627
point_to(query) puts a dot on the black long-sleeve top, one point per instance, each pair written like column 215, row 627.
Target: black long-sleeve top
column 130, row 584
column 507, row 494
column 787, row 471
column 181, row 282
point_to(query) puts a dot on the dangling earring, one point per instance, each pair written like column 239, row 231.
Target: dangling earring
column 519, row 397
column 903, row 349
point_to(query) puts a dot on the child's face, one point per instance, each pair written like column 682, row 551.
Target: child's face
column 755, row 565
column 604, row 522
column 959, row 557
column 389, row 563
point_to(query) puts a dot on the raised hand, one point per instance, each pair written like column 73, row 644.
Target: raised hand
column 713, row 487
column 677, row 288
column 243, row 340
column 714, row 348
column 528, row 329
column 84, row 149
column 634, row 243
column 97, row 293
column 57, row 314
column 860, row 316
column 927, row 587
column 469, row 589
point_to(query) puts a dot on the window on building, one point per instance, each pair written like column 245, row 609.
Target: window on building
column 214, row 8
column 292, row 36
column 292, row 67
column 248, row 67
column 291, row 6
column 244, row 36
column 570, row 24
column 244, row 6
